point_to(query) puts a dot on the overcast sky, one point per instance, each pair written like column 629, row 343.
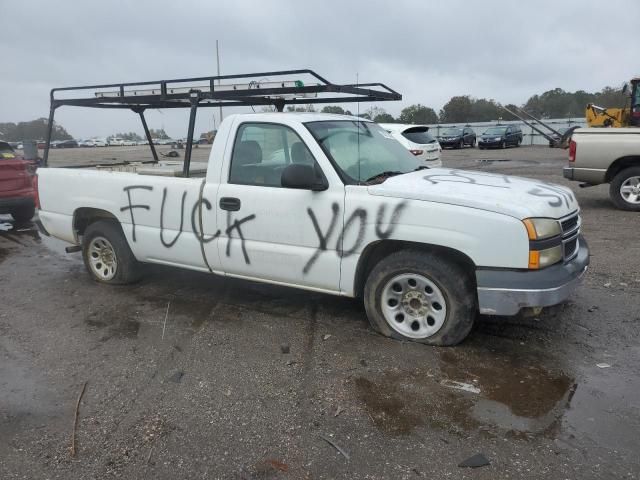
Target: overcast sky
column 426, row 50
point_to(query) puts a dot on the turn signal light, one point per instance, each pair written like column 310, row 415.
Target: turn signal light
column 416, row 152
column 534, row 259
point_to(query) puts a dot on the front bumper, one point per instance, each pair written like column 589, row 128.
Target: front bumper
column 506, row 292
column 489, row 143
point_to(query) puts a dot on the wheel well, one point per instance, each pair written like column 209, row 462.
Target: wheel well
column 620, row 164
column 83, row 217
column 374, row 252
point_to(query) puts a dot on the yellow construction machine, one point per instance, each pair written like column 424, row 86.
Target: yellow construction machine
column 617, row 117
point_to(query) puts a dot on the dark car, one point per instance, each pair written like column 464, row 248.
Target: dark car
column 501, row 136
column 457, row 137
column 67, row 144
column 17, row 191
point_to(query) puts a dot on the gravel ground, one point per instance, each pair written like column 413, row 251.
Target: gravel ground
column 194, row 376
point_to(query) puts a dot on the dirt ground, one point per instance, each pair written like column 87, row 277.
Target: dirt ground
column 195, row 376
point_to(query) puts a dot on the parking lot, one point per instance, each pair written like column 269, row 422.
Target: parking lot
column 195, row 376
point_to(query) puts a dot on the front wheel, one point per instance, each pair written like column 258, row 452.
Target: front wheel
column 503, row 145
column 461, row 144
column 107, row 255
column 624, row 189
column 421, row 297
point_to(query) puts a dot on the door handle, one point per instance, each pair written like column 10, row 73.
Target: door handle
column 230, row 203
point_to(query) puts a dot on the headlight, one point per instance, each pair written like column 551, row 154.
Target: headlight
column 542, row 228
column 545, row 242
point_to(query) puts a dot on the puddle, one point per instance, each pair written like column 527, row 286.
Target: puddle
column 473, row 389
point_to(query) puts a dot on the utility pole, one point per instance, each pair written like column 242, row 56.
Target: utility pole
column 218, row 62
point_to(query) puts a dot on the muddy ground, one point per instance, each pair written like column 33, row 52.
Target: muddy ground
column 210, row 394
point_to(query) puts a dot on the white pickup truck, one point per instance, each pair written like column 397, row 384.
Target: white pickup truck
column 607, row 155
column 332, row 204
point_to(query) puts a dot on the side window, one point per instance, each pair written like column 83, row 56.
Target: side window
column 261, row 152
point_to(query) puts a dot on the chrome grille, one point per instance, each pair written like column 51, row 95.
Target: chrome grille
column 570, row 232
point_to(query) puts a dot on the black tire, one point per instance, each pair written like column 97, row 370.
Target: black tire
column 614, row 189
column 518, row 142
column 473, row 143
column 24, row 213
column 127, row 269
column 455, row 283
column 503, row 145
column 461, row 144
column 480, row 147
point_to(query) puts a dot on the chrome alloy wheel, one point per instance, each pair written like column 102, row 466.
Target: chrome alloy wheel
column 102, row 259
column 630, row 190
column 413, row 305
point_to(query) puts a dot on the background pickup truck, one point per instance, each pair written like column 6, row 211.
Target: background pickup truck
column 608, row 155
column 332, row 204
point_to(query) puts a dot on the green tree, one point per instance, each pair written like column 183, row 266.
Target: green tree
column 333, row 109
column 32, row 130
column 301, row 108
column 418, row 114
column 483, row 110
column 384, row 118
column 456, row 110
column 159, row 133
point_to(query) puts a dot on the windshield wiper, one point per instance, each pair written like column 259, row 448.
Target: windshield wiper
column 382, row 176
column 421, row 167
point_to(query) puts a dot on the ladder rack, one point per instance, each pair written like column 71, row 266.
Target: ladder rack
column 251, row 89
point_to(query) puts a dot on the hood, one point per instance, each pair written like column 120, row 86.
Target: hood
column 514, row 196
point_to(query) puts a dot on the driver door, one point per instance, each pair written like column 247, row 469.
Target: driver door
column 273, row 233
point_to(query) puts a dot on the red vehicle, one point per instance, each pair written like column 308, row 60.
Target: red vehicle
column 17, row 190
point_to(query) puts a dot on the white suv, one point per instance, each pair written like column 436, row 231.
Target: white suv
column 418, row 140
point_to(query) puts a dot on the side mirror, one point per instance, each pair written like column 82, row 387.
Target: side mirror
column 302, row 177
column 625, row 87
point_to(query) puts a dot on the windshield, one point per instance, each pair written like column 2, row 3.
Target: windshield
column 362, row 150
column 495, row 131
column 419, row 135
column 451, row 132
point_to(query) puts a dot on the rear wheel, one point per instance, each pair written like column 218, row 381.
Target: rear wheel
column 107, row 255
column 24, row 213
column 473, row 143
column 421, row 297
column 624, row 189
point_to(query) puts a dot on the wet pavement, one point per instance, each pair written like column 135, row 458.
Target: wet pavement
column 187, row 377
